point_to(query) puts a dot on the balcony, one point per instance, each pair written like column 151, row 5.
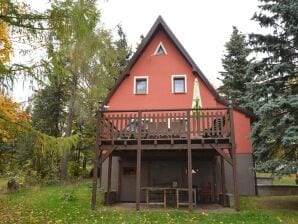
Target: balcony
column 165, row 127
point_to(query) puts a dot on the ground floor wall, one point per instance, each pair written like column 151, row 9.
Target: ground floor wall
column 246, row 175
column 114, row 176
column 163, row 173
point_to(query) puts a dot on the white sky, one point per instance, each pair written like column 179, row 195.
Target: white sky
column 202, row 26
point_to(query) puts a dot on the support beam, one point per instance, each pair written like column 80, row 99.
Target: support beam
column 167, row 146
column 220, row 151
column 138, row 174
column 214, row 184
column 223, row 181
column 235, row 178
column 96, row 161
column 119, row 180
column 107, row 154
column 95, row 177
column 109, row 180
column 189, row 164
column 234, row 160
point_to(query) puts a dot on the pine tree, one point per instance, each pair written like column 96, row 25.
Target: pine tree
column 49, row 108
column 274, row 90
column 235, row 64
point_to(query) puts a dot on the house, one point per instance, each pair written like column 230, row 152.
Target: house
column 164, row 135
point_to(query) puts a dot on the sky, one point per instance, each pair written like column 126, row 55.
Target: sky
column 202, row 26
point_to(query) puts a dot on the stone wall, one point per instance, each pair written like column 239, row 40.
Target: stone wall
column 264, row 180
column 277, row 190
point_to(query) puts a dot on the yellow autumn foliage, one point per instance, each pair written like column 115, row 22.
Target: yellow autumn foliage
column 5, row 41
column 12, row 117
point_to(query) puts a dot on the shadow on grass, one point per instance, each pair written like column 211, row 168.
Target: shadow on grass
column 279, row 202
column 289, row 203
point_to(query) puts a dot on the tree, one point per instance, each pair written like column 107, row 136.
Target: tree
column 18, row 23
column 12, row 118
column 123, row 52
column 10, row 112
column 81, row 63
column 235, row 64
column 5, row 44
column 26, row 152
column 49, row 109
column 92, row 61
column 5, row 41
column 274, row 89
column 74, row 25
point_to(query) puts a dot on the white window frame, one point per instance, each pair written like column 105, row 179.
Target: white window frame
column 158, row 46
column 185, row 83
column 135, row 84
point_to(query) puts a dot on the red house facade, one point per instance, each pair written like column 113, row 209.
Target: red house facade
column 157, row 141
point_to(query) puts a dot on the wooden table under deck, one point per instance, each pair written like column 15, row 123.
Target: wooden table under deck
column 164, row 190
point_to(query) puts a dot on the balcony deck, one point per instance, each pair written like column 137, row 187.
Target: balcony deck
column 166, row 128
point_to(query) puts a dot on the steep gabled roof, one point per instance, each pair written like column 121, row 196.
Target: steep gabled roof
column 160, row 24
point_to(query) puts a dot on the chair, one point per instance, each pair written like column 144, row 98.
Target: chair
column 163, row 129
column 178, row 128
column 216, row 129
column 152, row 130
column 205, row 193
column 175, row 129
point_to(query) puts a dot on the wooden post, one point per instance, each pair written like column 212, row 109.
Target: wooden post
column 177, row 197
column 189, row 163
column 96, row 161
column 120, row 180
column 164, row 198
column 255, row 175
column 223, row 181
column 147, row 198
column 214, row 189
column 109, row 180
column 138, row 174
column 234, row 160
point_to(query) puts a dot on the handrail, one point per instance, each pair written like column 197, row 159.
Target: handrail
column 164, row 109
column 165, row 124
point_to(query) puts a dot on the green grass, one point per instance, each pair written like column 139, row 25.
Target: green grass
column 283, row 180
column 48, row 205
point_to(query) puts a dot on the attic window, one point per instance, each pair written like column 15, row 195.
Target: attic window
column 160, row 50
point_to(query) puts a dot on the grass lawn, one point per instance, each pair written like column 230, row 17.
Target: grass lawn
column 71, row 204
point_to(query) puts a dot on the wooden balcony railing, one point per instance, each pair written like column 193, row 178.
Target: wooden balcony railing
column 164, row 124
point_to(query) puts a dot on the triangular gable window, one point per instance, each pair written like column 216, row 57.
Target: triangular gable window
column 160, row 50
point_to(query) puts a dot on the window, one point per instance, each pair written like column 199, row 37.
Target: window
column 141, row 85
column 179, row 84
column 160, row 50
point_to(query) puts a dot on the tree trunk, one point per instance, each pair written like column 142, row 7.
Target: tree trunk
column 70, row 118
column 84, row 165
